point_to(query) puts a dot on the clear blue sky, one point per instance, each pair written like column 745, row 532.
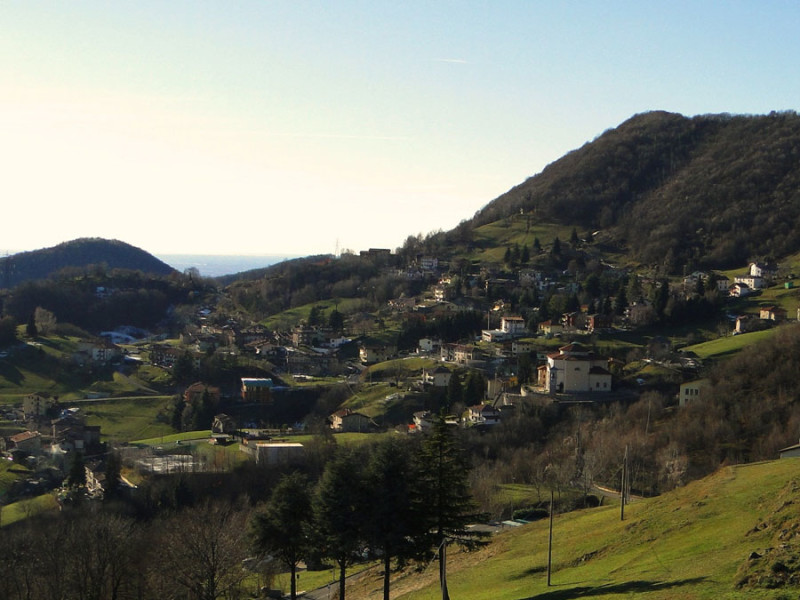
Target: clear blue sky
column 282, row 127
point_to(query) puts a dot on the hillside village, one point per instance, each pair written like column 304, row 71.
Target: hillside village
column 568, row 364
column 516, row 360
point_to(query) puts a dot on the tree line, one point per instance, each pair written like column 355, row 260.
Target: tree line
column 396, row 500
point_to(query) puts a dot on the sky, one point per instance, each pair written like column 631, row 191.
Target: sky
column 302, row 127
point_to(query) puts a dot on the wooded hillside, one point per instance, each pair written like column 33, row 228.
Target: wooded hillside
column 706, row 191
column 80, row 253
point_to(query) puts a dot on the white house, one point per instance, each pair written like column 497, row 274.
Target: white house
column 438, row 377
column 423, row 420
column 739, row 290
column 513, row 326
column 483, row 414
column 575, row 369
column 757, row 269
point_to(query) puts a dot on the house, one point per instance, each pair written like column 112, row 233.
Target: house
column 302, row 336
column 195, row 392
column 691, row 390
column 429, row 263
column 483, row 414
column 575, row 369
column 256, row 389
column 754, row 282
column 723, row 283
column 423, row 420
column 442, row 293
column 223, row 424
column 100, row 350
column 37, row 405
column 71, row 433
column 347, row 420
column 522, row 347
column 744, row 324
column 167, row 356
column 739, row 290
column 95, row 478
column 598, row 322
column 462, row 354
column 373, row 353
column 763, row 270
column 513, row 326
column 772, row 313
column 573, row 320
column 438, row 377
column 27, row 441
column 428, row 345
column 549, row 328
column 493, row 335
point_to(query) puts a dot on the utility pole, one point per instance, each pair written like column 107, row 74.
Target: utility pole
column 623, row 485
column 550, row 543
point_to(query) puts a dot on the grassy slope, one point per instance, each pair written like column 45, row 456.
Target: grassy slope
column 123, row 420
column 690, row 543
column 727, row 346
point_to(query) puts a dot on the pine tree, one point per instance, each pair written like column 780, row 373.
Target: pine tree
column 77, row 471
column 283, row 528
column 113, row 473
column 393, row 520
column 525, row 255
column 455, row 391
column 444, row 485
column 30, row 329
column 340, row 505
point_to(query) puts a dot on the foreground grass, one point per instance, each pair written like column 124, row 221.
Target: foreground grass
column 691, row 543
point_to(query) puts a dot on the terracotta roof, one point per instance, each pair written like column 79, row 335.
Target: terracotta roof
column 24, row 436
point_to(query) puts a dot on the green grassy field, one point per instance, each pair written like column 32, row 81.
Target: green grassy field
column 692, row 543
column 497, row 236
column 24, row 509
column 289, row 318
column 125, row 419
column 726, row 346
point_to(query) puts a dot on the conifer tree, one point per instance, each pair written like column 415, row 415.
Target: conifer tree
column 393, row 522
column 340, row 507
column 444, row 485
column 283, row 528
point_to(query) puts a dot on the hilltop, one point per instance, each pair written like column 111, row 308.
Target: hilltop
column 710, row 190
column 80, row 253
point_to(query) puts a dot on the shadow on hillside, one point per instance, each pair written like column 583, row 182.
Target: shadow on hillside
column 628, row 587
column 11, row 373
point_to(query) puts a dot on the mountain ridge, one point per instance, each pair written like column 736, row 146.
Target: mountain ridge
column 708, row 191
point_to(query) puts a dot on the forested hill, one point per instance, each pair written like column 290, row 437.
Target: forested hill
column 80, row 253
column 711, row 190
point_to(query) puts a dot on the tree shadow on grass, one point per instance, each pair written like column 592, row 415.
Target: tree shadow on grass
column 11, row 373
column 628, row 587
